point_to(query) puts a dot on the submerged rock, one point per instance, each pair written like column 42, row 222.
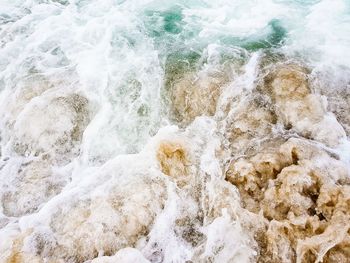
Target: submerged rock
column 298, row 108
column 301, row 191
column 53, row 126
column 35, row 184
column 113, row 216
column 196, row 95
column 44, row 131
column 297, row 185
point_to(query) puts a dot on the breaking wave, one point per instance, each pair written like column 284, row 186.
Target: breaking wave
column 174, row 131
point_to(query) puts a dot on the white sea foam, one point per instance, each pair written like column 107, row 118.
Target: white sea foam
column 98, row 163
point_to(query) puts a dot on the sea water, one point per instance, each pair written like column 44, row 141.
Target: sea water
column 174, row 131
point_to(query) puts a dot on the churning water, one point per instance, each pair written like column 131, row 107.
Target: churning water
column 174, row 131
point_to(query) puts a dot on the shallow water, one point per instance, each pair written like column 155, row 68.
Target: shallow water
column 174, row 131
